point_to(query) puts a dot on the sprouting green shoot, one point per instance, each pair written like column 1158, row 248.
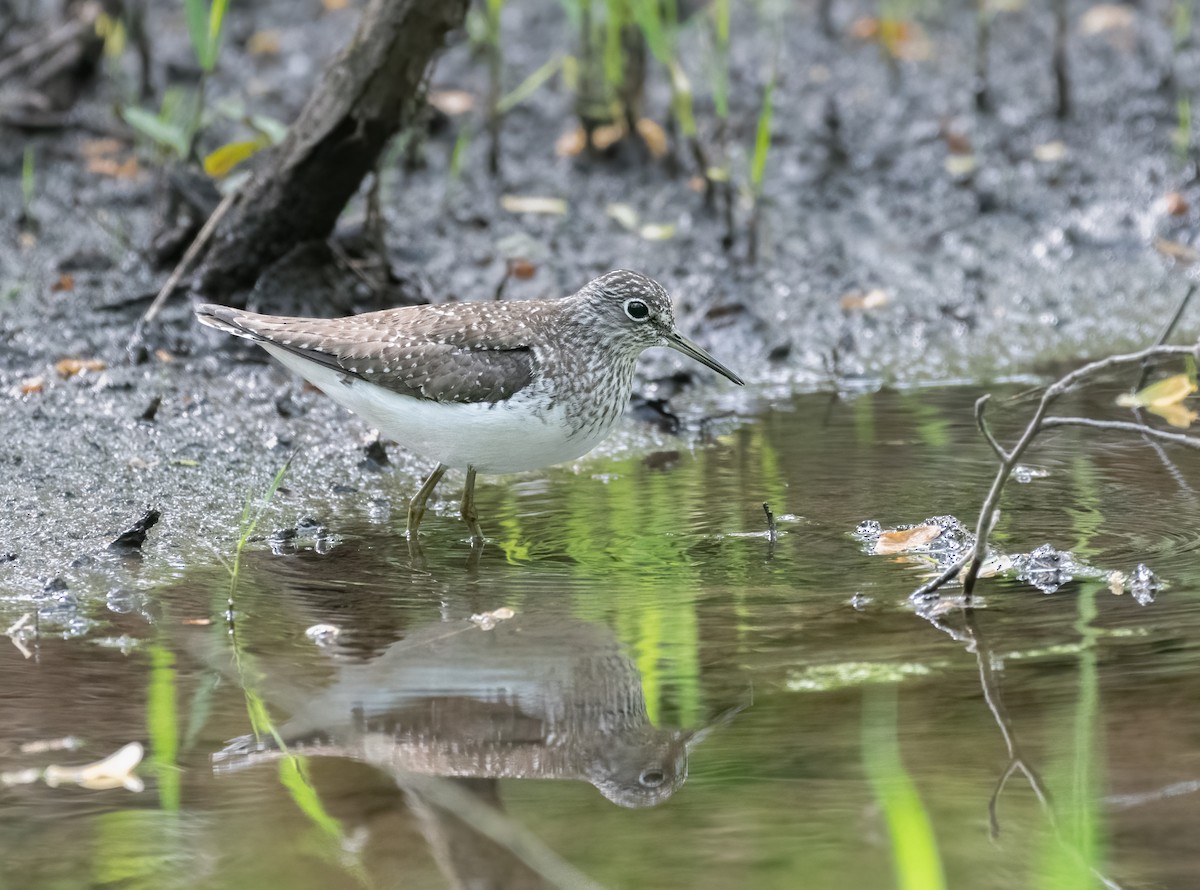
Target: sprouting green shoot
column 1181, row 22
column 252, row 514
column 529, row 85
column 28, row 179
column 459, row 152
column 205, row 24
column 762, row 137
column 720, row 12
column 1183, row 126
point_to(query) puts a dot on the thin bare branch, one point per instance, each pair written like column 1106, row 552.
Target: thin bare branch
column 981, row 422
column 198, row 244
column 1124, row 426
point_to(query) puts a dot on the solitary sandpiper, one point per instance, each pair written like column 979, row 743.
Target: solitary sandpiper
column 481, row 387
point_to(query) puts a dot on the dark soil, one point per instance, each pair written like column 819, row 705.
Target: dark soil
column 1042, row 253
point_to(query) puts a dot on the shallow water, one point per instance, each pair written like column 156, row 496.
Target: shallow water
column 778, row 714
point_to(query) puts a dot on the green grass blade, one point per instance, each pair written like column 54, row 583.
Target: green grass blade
column 916, row 862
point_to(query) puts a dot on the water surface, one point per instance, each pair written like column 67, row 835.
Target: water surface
column 675, row 701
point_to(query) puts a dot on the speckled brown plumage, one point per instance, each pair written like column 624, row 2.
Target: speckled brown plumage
column 488, row 387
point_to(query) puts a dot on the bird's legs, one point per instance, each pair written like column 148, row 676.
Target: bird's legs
column 416, row 507
column 469, row 515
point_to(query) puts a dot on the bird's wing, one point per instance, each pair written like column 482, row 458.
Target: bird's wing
column 461, row 352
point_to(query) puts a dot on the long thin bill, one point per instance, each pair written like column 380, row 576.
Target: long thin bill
column 677, row 341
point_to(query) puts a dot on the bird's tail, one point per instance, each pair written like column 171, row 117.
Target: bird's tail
column 227, row 319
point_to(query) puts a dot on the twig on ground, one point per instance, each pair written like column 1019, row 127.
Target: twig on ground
column 201, row 241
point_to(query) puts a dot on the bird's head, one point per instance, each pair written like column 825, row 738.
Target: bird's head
column 635, row 310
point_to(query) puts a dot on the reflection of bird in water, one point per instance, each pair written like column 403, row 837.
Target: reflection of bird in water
column 536, row 697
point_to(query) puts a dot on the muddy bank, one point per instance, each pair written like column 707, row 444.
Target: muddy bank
column 1043, row 251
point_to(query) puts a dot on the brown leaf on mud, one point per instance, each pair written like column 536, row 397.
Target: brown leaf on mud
column 1176, row 251
column 113, row 168
column 522, row 269
column 900, row 39
column 905, row 539
column 64, row 284
column 69, row 367
column 99, row 148
column 570, row 143
column 263, row 43
column 1175, row 204
column 451, row 103
column 653, row 135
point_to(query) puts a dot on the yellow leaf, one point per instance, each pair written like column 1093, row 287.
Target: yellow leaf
column 1161, row 394
column 905, row 539
column 219, row 162
column 1176, row 415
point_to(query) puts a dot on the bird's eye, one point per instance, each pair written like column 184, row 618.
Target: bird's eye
column 651, row 778
column 637, row 310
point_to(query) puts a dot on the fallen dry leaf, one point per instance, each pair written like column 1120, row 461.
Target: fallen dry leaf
column 533, row 204
column 653, row 135
column 69, row 367
column 960, row 165
column 263, row 43
column 98, row 148
column 625, row 215
column 488, row 620
column 114, row 169
column 1050, row 152
column 451, row 103
column 857, row 300
column 1176, row 415
column 32, row 385
column 607, row 136
column 657, row 231
column 1175, row 204
column 905, row 539
column 1105, row 17
column 522, row 269
column 163, row 356
column 64, row 284
column 1168, row 391
column 114, row 771
column 1176, row 251
column 570, row 143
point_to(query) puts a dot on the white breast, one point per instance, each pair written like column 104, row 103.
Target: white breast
column 504, row 437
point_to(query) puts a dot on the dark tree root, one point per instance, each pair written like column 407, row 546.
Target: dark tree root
column 369, row 93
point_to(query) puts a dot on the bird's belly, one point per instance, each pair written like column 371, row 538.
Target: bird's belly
column 500, row 437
